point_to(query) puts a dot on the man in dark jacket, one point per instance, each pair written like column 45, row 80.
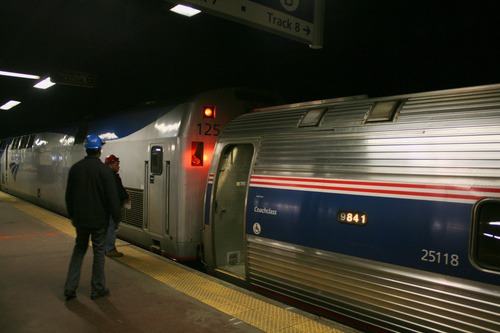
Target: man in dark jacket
column 91, row 198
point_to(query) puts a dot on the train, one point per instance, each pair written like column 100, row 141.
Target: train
column 164, row 150
column 382, row 213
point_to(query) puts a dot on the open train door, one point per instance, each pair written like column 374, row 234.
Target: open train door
column 230, row 191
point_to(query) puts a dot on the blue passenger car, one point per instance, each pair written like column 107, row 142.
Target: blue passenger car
column 381, row 212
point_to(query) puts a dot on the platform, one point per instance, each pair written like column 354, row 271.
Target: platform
column 149, row 293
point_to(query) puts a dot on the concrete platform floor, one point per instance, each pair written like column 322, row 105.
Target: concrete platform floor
column 34, row 258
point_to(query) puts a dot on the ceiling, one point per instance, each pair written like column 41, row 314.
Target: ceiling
column 140, row 52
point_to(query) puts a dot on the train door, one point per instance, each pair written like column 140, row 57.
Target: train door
column 231, row 185
column 5, row 166
column 158, row 175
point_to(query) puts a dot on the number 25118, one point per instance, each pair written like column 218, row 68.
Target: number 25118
column 440, row 258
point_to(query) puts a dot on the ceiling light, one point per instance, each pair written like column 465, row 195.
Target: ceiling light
column 21, row 75
column 185, row 10
column 44, row 84
column 9, row 105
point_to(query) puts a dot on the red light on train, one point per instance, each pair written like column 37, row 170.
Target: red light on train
column 209, row 112
column 197, row 153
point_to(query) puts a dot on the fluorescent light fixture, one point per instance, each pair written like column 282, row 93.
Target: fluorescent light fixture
column 20, row 75
column 44, row 84
column 9, row 105
column 185, row 10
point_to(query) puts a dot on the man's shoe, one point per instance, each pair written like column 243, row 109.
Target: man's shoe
column 68, row 295
column 102, row 293
column 114, row 253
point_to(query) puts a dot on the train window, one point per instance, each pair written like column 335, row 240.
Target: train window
column 383, row 111
column 156, row 162
column 486, row 234
column 197, row 152
column 31, row 140
column 15, row 143
column 312, row 117
column 24, row 142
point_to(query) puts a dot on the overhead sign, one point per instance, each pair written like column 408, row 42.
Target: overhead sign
column 301, row 20
column 74, row 78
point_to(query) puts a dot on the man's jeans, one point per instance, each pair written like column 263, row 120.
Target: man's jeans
column 83, row 235
column 111, row 236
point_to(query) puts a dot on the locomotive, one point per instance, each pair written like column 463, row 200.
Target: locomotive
column 165, row 151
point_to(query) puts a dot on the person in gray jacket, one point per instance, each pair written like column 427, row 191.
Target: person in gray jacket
column 91, row 198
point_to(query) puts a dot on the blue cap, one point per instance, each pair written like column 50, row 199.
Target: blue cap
column 93, row 141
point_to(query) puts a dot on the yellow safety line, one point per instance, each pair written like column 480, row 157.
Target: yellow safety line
column 265, row 316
